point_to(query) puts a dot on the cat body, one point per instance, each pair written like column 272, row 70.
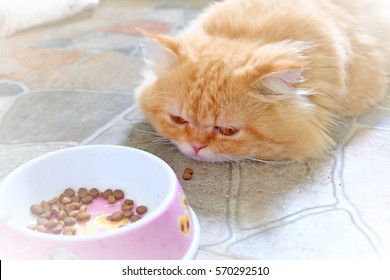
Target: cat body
column 266, row 79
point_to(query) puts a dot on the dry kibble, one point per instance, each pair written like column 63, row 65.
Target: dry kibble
column 126, row 207
column 55, row 209
column 46, row 215
column 62, row 214
column 69, row 221
column 70, row 192
column 32, row 226
column 73, row 213
column 117, row 216
column 128, row 202
column 83, row 208
column 75, row 205
column 188, row 170
column 66, row 200
column 46, row 206
column 52, row 223
column 68, row 208
column 75, row 198
column 69, row 230
column 87, row 199
column 62, row 196
column 187, row 176
column 42, row 221
column 82, row 192
column 41, row 228
column 53, row 201
column 94, row 192
column 119, row 194
column 37, row 209
column 83, row 216
column 127, row 214
column 134, row 218
column 111, row 199
column 106, row 193
column 58, row 228
column 141, row 209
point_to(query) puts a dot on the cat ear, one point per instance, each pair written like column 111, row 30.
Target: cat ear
column 161, row 51
column 281, row 80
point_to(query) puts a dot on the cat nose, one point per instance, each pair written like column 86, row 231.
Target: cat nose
column 197, row 146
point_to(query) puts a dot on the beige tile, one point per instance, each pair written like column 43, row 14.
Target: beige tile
column 23, row 64
column 107, row 71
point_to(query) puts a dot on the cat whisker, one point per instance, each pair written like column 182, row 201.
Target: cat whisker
column 254, row 166
column 270, row 161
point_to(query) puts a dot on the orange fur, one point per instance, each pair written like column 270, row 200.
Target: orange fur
column 266, row 79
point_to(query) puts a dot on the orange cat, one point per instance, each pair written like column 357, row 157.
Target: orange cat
column 266, row 79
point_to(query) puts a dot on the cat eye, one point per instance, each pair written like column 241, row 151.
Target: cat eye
column 178, row 120
column 227, row 131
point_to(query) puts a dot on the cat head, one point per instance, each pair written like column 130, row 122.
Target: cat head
column 221, row 101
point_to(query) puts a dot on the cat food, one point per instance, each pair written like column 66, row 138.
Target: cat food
column 128, row 213
column 117, row 216
column 141, row 209
column 106, row 193
column 62, row 214
column 111, row 199
column 119, row 194
column 187, row 174
column 69, row 230
column 87, row 199
column 134, row 218
column 188, row 170
column 94, row 193
column 82, row 192
column 126, row 207
column 83, row 216
column 37, row 209
column 69, row 191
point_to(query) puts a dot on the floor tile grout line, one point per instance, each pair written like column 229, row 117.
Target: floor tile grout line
column 343, row 201
column 248, row 233
column 109, row 124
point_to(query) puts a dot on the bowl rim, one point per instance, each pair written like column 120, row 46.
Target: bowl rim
column 119, row 231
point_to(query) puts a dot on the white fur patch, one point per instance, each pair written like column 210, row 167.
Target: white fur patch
column 156, row 55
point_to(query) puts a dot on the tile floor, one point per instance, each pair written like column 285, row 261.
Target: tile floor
column 72, row 83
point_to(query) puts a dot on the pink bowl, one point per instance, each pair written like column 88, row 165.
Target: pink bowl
column 169, row 230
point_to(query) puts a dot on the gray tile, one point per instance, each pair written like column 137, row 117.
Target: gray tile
column 105, row 41
column 59, row 115
column 116, row 134
column 328, row 235
column 270, row 192
column 10, row 89
column 53, row 43
column 376, row 118
column 12, row 156
column 366, row 179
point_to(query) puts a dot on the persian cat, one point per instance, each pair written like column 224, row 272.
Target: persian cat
column 266, row 79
